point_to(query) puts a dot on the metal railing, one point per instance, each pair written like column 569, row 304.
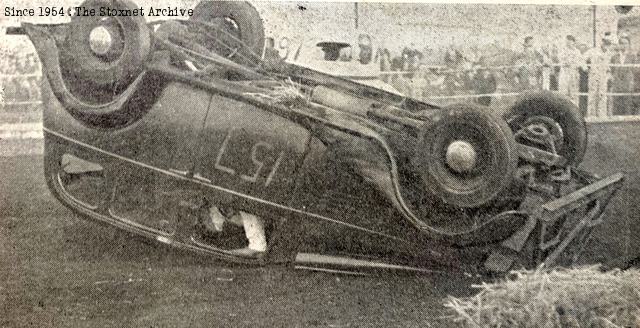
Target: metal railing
column 428, row 83
column 601, row 91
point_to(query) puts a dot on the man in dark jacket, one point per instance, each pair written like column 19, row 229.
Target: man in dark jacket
column 484, row 83
column 622, row 78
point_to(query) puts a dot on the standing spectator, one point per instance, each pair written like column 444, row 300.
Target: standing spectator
column 583, row 85
column 483, row 83
column 622, row 79
column 415, row 58
column 555, row 68
column 396, row 66
column 421, row 83
column 455, row 71
column 530, row 59
column 598, row 60
column 397, row 63
column 366, row 49
column 570, row 59
column 549, row 57
column 412, row 58
column 383, row 57
column 405, row 64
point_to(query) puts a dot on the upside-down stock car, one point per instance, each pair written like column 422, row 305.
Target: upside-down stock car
column 148, row 125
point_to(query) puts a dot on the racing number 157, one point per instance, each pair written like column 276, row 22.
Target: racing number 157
column 258, row 165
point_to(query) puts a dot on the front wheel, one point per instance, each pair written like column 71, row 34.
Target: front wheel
column 467, row 158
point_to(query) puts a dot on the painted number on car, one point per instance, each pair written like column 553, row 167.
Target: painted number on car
column 259, row 150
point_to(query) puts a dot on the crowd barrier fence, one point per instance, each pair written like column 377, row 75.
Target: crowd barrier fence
column 9, row 104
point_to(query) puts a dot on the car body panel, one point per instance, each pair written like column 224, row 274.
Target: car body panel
column 250, row 150
column 322, row 177
column 166, row 136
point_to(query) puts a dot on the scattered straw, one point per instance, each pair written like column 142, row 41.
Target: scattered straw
column 288, row 94
column 581, row 297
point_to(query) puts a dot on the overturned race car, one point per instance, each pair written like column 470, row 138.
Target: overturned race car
column 152, row 127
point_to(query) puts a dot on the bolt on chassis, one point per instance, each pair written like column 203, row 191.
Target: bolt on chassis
column 149, row 125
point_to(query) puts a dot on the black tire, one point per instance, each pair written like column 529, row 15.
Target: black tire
column 562, row 111
column 118, row 67
column 495, row 148
column 247, row 20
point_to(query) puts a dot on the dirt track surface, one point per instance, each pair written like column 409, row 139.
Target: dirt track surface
column 58, row 270
column 615, row 147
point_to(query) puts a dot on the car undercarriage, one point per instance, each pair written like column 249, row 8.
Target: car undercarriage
column 148, row 125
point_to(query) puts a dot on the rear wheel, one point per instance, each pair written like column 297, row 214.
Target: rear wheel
column 101, row 64
column 101, row 56
column 467, row 158
column 557, row 115
column 238, row 32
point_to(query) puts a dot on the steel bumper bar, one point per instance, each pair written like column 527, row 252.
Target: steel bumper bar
column 557, row 225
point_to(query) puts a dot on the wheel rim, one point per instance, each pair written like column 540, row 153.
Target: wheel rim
column 106, row 40
column 101, row 56
column 564, row 117
column 461, row 156
column 542, row 128
column 467, row 157
column 461, row 140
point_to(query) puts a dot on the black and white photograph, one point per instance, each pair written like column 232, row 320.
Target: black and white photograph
column 204, row 163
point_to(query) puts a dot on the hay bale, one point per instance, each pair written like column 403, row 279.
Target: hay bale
column 580, row 297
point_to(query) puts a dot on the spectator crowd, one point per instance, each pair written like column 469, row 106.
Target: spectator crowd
column 20, row 76
column 604, row 81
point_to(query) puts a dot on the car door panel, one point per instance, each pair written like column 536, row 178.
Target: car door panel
column 250, row 150
column 165, row 137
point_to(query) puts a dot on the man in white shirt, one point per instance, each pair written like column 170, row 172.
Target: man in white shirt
column 530, row 61
column 570, row 59
column 597, row 64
